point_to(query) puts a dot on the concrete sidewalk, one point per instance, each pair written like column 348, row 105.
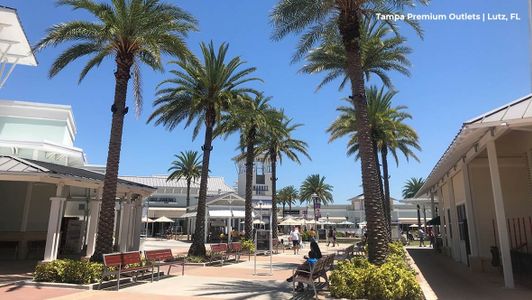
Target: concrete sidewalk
column 451, row 280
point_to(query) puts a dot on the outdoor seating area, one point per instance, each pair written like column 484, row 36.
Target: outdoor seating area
column 223, row 252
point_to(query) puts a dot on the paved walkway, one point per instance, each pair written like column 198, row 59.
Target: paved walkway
column 451, row 280
column 231, row 281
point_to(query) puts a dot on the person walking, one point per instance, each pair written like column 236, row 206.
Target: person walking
column 331, row 237
column 421, row 234
column 295, row 238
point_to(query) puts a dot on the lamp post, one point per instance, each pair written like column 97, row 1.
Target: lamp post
column 260, row 214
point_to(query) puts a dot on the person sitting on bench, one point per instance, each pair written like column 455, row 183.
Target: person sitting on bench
column 313, row 255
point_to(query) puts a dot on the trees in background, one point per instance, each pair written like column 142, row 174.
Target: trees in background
column 200, row 92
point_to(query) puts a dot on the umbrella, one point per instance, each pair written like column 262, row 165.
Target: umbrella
column 147, row 220
column 362, row 224
column 290, row 221
column 311, row 222
column 346, row 223
column 254, row 222
column 413, row 226
column 327, row 223
column 163, row 219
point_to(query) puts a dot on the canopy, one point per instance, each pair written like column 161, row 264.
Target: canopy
column 434, row 221
column 147, row 220
column 311, row 222
column 362, row 224
column 290, row 221
column 255, row 222
column 413, row 226
column 163, row 219
column 346, row 223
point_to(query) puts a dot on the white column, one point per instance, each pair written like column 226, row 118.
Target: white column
column 94, row 213
column 471, row 224
column 25, row 212
column 455, row 241
column 54, row 226
column 432, row 206
column 138, row 225
column 500, row 215
column 206, row 223
column 124, row 225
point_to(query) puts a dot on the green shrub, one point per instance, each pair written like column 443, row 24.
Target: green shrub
column 68, row 271
column 195, row 259
column 358, row 279
column 248, row 245
column 340, row 234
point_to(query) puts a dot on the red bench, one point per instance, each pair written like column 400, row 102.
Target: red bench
column 219, row 250
column 163, row 257
column 123, row 263
column 235, row 249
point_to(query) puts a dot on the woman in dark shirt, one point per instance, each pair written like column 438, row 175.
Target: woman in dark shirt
column 313, row 255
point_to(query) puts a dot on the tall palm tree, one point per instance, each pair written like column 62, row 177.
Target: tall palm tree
column 317, row 19
column 315, row 190
column 132, row 32
column 382, row 52
column 412, row 186
column 389, row 134
column 249, row 118
column 200, row 93
column 187, row 165
column 274, row 143
column 288, row 196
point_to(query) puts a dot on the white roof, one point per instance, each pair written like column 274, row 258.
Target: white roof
column 13, row 41
column 513, row 114
column 215, row 185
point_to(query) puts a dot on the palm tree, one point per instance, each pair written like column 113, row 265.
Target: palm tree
column 412, row 186
column 201, row 92
column 288, row 196
column 187, row 165
column 274, row 143
column 249, row 118
column 389, row 134
column 381, row 53
column 132, row 32
column 316, row 190
column 317, row 19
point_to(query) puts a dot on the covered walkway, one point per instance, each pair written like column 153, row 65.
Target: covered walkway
column 452, row 280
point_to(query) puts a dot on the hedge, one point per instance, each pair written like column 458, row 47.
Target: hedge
column 359, row 279
column 68, row 271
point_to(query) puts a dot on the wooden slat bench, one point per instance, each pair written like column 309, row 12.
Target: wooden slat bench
column 163, row 257
column 234, row 249
column 317, row 271
column 121, row 263
column 219, row 251
column 346, row 253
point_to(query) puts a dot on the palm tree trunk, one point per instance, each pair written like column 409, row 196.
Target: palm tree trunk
column 273, row 161
column 188, row 192
column 349, row 25
column 198, row 242
column 188, row 204
column 104, row 237
column 386, row 179
column 250, row 157
column 381, row 186
column 284, row 205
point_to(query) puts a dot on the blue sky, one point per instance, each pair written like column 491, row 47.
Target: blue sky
column 460, row 69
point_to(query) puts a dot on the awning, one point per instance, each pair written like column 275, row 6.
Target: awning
column 434, row 221
column 240, row 214
column 220, row 213
column 189, row 215
column 163, row 220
